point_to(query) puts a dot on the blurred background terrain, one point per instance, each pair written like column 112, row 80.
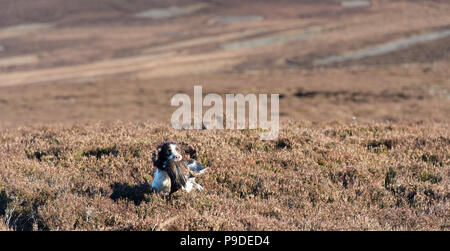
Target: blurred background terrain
column 68, row 61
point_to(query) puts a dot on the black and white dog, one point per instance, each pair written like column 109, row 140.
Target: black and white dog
column 176, row 168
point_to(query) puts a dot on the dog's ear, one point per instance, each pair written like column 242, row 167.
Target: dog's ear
column 155, row 156
column 188, row 150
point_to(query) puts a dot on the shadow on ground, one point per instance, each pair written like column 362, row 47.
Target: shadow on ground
column 136, row 193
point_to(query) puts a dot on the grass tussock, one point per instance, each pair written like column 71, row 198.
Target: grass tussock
column 313, row 177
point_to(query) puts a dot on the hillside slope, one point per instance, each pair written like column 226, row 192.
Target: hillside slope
column 123, row 60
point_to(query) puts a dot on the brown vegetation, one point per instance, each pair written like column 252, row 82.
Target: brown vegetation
column 314, row 177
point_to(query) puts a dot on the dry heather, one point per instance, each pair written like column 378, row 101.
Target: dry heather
column 316, row 176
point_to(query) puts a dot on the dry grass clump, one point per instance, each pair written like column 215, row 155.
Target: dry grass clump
column 314, row 177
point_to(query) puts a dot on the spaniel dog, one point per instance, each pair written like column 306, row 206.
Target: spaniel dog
column 176, row 168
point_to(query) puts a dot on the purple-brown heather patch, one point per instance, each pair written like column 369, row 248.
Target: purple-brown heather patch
column 315, row 176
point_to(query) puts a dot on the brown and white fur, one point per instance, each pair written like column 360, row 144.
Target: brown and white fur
column 176, row 168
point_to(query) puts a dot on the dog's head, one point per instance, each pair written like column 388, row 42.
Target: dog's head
column 173, row 150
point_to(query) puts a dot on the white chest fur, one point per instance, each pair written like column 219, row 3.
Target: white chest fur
column 161, row 182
